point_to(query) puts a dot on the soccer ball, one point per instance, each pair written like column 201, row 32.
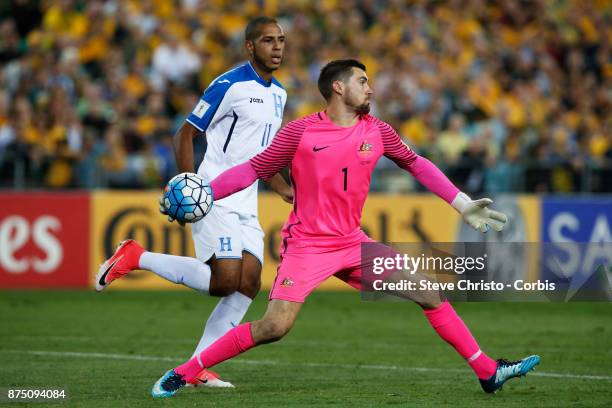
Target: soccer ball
column 187, row 198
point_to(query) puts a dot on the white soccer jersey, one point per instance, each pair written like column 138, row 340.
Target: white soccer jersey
column 240, row 113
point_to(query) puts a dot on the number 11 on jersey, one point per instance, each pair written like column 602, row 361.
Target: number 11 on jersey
column 265, row 139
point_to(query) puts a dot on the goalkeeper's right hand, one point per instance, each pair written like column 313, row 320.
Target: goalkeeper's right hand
column 478, row 215
column 162, row 209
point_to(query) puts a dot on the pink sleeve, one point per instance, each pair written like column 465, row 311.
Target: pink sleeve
column 263, row 166
column 421, row 168
column 280, row 153
column 233, row 180
column 431, row 177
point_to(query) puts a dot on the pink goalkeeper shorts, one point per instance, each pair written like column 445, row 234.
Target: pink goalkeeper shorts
column 300, row 273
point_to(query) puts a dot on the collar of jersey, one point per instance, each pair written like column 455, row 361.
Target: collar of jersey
column 257, row 78
column 329, row 121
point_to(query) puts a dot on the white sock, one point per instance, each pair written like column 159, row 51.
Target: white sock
column 227, row 314
column 190, row 272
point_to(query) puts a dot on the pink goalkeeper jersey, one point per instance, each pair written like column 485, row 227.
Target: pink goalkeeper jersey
column 331, row 169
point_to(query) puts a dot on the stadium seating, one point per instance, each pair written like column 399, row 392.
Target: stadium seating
column 503, row 97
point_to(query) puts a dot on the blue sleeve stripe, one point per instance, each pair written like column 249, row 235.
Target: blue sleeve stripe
column 194, row 125
column 213, row 96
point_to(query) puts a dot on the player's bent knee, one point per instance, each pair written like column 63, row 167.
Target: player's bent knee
column 224, row 285
column 250, row 286
column 225, row 278
column 222, row 289
column 250, row 280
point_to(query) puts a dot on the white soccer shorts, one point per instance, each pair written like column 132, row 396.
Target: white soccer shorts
column 226, row 233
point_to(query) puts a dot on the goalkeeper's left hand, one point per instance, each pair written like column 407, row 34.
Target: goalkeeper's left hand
column 163, row 211
column 477, row 214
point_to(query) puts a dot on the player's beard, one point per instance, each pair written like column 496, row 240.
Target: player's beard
column 352, row 100
column 363, row 109
column 261, row 63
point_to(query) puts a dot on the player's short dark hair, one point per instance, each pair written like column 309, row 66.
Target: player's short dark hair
column 336, row 70
column 253, row 28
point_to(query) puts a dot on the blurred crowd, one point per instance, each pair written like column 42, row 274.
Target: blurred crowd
column 504, row 96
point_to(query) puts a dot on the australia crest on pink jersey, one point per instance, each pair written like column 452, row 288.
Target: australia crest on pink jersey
column 365, row 149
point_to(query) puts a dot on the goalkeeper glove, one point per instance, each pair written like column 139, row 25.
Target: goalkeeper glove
column 162, row 209
column 477, row 214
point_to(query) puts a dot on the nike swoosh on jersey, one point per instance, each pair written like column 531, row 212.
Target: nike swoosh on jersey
column 316, row 149
column 102, row 280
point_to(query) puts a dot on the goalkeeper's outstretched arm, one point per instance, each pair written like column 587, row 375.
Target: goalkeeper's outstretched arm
column 475, row 212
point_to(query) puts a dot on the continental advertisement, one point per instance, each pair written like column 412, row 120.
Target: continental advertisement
column 59, row 240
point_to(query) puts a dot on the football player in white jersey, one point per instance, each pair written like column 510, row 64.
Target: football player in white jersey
column 240, row 112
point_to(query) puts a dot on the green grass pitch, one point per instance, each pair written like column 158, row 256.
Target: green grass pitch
column 108, row 349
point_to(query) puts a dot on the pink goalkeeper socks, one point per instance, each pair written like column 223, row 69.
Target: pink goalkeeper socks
column 234, row 342
column 451, row 328
column 443, row 319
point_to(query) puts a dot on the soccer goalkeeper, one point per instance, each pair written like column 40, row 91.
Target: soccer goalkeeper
column 331, row 155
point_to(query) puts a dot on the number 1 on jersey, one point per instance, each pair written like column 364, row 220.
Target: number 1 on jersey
column 345, row 171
